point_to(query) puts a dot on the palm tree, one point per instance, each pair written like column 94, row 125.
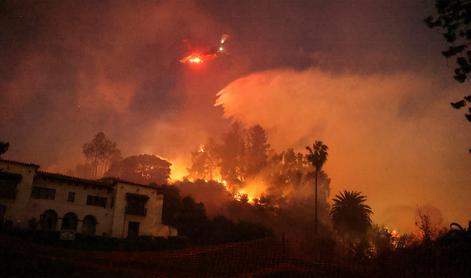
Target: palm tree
column 350, row 214
column 317, row 156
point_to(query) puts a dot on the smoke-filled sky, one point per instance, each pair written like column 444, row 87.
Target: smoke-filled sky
column 366, row 77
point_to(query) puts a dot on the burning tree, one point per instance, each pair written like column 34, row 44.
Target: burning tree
column 241, row 177
column 240, row 156
column 205, row 162
column 244, row 163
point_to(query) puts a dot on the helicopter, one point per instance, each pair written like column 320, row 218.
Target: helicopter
column 199, row 57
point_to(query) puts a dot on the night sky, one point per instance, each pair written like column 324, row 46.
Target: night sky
column 365, row 77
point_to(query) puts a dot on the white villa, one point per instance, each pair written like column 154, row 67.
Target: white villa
column 105, row 207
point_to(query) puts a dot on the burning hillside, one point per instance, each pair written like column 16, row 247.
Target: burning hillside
column 240, row 161
column 245, row 165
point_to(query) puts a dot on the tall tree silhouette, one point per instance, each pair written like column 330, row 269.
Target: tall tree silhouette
column 101, row 151
column 317, row 156
column 350, row 214
column 232, row 153
column 256, row 150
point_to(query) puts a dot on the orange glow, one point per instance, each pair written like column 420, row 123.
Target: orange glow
column 178, row 171
column 242, row 193
column 394, row 233
column 254, row 189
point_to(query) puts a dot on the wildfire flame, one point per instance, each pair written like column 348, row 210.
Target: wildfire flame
column 250, row 191
column 395, row 236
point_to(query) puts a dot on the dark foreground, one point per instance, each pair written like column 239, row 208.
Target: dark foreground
column 259, row 258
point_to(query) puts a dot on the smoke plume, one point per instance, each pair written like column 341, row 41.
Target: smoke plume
column 386, row 137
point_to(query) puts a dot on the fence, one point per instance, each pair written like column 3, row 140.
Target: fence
column 258, row 258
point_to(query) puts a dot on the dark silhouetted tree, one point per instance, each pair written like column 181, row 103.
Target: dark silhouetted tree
column 317, row 156
column 182, row 213
column 429, row 220
column 192, row 218
column 425, row 226
column 172, row 204
column 142, row 169
column 4, row 147
column 382, row 239
column 453, row 20
column 100, row 153
column 212, row 193
column 350, row 215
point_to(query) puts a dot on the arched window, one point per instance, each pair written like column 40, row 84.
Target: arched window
column 69, row 222
column 48, row 220
column 89, row 225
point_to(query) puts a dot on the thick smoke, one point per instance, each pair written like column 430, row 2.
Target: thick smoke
column 69, row 69
column 78, row 68
column 386, row 137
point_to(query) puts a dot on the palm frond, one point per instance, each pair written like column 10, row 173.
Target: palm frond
column 350, row 214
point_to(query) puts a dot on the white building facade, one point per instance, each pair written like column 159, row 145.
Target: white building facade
column 30, row 198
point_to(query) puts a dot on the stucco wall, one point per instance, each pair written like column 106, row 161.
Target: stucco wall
column 149, row 224
column 103, row 215
column 111, row 220
column 16, row 208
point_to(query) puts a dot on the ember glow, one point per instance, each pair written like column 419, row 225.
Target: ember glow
column 250, row 191
column 253, row 190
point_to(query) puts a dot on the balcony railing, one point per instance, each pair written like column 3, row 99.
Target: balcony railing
column 141, row 211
